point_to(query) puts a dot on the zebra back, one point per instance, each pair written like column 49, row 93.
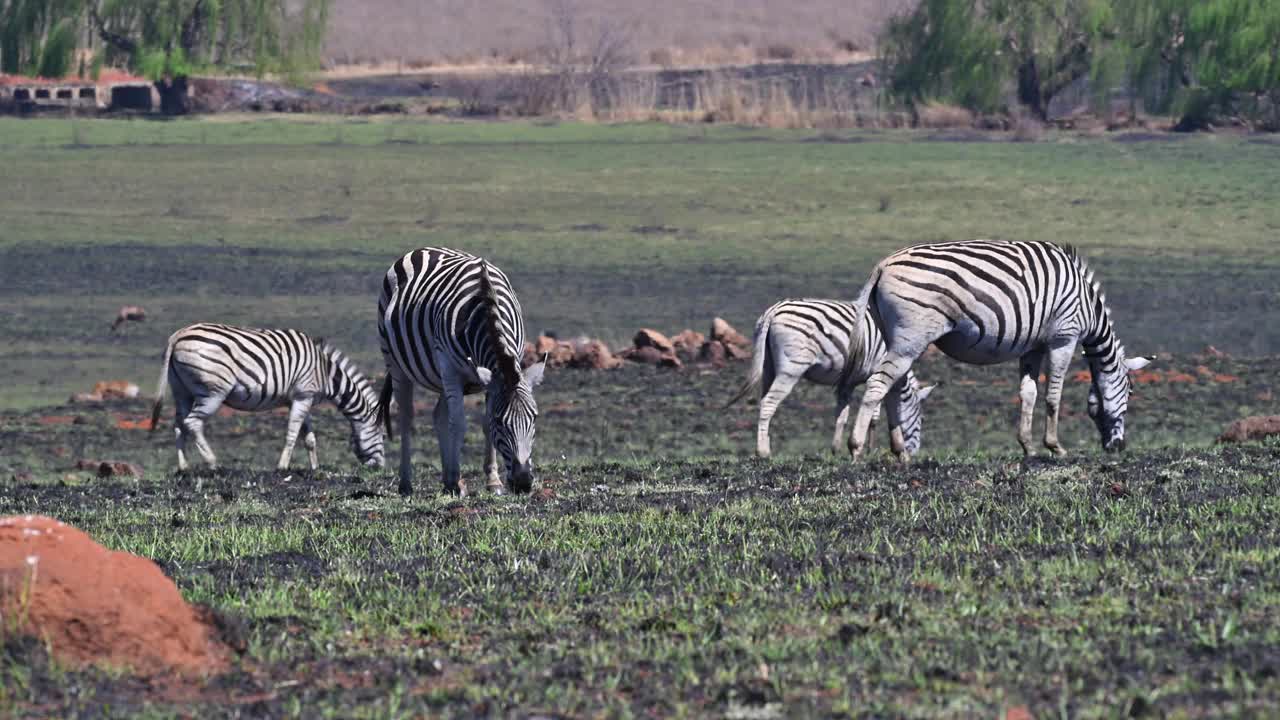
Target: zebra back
column 442, row 299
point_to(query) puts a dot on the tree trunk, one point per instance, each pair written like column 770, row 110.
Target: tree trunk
column 174, row 99
column 1030, row 92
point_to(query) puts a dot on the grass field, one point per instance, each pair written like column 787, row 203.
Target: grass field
column 656, row 570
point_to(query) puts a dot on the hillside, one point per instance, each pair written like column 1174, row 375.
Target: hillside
column 434, row 31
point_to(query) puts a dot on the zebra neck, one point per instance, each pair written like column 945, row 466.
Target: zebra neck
column 344, row 389
column 1102, row 348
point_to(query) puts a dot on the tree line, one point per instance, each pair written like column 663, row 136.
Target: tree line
column 157, row 38
column 1198, row 60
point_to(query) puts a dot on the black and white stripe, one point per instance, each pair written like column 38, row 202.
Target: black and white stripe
column 810, row 339
column 450, row 322
column 989, row 301
column 209, row 365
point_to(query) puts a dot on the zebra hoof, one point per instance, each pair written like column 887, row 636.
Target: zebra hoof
column 456, row 489
column 497, row 488
column 406, row 488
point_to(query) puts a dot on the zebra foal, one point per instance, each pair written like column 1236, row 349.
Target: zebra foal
column 810, row 339
column 989, row 301
column 209, row 365
column 449, row 321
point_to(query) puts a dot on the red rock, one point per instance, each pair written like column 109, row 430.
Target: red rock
column 654, row 339
column 713, row 352
column 724, row 332
column 651, row 356
column 595, row 355
column 688, row 343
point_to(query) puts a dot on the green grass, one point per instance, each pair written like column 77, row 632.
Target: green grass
column 657, row 571
column 685, row 588
column 603, row 228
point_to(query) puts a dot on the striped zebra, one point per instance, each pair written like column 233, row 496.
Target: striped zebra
column 809, row 339
column 987, row 301
column 209, row 365
column 449, row 321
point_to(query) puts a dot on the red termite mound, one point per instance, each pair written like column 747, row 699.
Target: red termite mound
column 95, row 606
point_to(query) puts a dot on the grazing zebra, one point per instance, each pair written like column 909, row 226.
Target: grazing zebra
column 449, row 321
column 985, row 302
column 810, row 338
column 209, row 364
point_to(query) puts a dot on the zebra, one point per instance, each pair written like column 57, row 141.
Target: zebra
column 449, row 321
column 990, row 301
column 209, row 364
column 809, row 338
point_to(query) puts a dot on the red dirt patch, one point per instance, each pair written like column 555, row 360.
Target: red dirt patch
column 1082, row 376
column 1225, row 378
column 95, row 606
column 57, row 420
column 128, row 423
column 1251, row 428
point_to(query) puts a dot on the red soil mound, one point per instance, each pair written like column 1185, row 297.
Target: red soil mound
column 95, row 606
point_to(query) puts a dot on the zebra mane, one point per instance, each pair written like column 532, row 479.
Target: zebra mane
column 508, row 363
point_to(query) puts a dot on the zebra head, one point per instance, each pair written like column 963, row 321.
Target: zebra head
column 1109, row 394
column 354, row 397
column 510, row 411
column 906, row 419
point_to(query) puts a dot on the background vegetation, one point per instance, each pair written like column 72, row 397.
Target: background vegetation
column 605, row 228
column 1201, row 59
column 159, row 37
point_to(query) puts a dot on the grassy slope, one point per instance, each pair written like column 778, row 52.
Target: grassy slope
column 656, row 572
column 604, row 228
column 686, row 588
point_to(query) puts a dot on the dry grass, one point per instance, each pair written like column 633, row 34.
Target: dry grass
column 936, row 115
column 703, row 33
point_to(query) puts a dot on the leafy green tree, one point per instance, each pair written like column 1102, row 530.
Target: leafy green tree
column 163, row 37
column 1197, row 58
column 971, row 52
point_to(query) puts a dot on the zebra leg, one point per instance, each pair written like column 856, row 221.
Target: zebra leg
column 201, row 410
column 181, row 408
column 403, row 388
column 309, row 438
column 892, row 368
column 451, row 427
column 297, row 416
column 1059, row 362
column 842, row 419
column 897, row 441
column 785, row 379
column 493, row 479
column 1030, row 369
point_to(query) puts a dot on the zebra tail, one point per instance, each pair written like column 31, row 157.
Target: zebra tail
column 758, row 356
column 161, row 387
column 384, row 403
column 856, row 352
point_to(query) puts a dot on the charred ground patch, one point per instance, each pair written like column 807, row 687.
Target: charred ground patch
column 707, row 584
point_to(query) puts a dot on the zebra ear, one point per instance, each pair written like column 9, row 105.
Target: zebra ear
column 1137, row 363
column 535, row 373
column 924, row 392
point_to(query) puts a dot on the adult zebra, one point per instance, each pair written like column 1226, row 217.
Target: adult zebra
column 450, row 322
column 810, row 339
column 990, row 301
column 209, row 364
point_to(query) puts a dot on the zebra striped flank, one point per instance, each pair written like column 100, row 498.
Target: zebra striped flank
column 991, row 301
column 210, row 364
column 450, row 322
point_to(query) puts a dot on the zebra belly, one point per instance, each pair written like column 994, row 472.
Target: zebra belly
column 974, row 349
column 242, row 397
column 823, row 374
